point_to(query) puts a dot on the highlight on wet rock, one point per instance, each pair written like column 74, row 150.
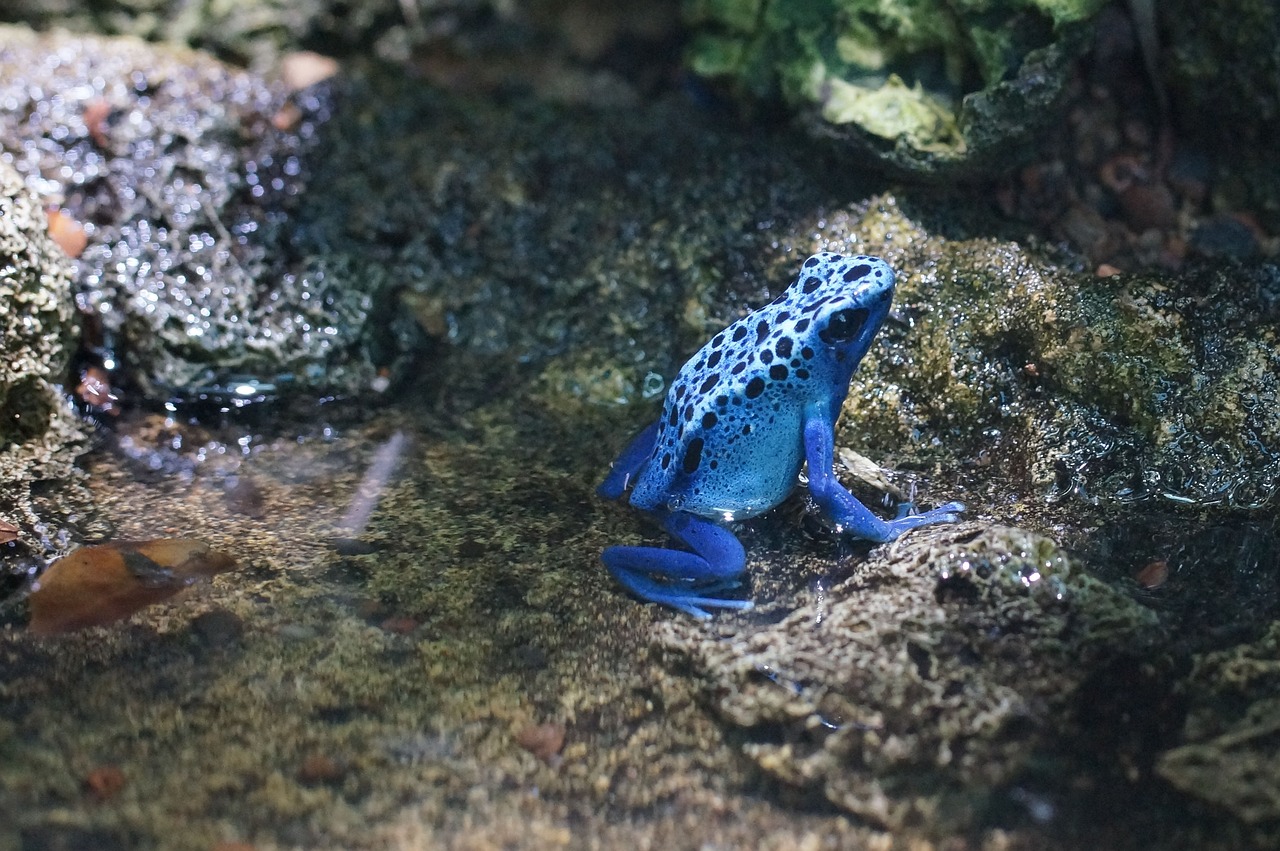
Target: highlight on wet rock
column 98, row 585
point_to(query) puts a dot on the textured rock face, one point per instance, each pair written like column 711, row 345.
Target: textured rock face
column 35, row 313
column 171, row 162
column 40, row 436
column 910, row 691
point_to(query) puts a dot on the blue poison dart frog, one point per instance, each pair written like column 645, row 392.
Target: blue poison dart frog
column 753, row 405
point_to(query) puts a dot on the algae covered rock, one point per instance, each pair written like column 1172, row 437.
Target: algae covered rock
column 1123, row 389
column 910, row 691
column 923, row 86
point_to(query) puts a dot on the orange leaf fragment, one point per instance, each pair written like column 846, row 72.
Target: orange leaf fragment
column 98, row 585
column 8, row 532
column 68, row 233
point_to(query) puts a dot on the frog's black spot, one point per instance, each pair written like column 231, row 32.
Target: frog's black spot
column 755, row 387
column 766, row 356
column 782, row 317
column 762, row 331
column 811, row 262
column 693, row 455
column 713, row 360
column 739, row 332
column 811, row 284
column 712, row 381
column 738, row 367
column 671, row 418
column 746, row 429
column 709, row 419
column 815, row 306
column 783, row 347
column 737, row 400
column 681, row 389
column 714, row 464
column 688, row 412
column 722, row 401
column 778, row 372
column 802, row 373
column 806, row 353
column 802, row 326
column 856, row 272
column 717, row 341
column 666, row 460
column 701, row 362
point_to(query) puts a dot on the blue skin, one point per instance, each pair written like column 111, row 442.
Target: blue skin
column 745, row 412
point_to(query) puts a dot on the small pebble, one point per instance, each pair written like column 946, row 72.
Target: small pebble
column 1154, row 574
column 542, row 740
column 399, row 624
column 353, row 547
column 104, row 782
column 319, row 768
column 217, row 628
column 1224, row 237
column 244, row 496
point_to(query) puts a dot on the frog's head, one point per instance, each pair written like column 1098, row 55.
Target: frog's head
column 847, row 300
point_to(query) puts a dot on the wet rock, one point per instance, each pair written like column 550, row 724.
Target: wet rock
column 94, row 586
column 40, row 435
column 918, row 686
column 170, row 162
column 35, row 314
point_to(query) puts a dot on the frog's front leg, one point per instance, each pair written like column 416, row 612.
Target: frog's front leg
column 682, row 579
column 843, row 507
column 629, row 464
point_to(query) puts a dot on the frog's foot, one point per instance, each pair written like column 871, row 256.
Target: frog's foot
column 907, row 518
column 679, row 579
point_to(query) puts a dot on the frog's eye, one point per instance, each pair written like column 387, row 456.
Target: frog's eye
column 844, row 325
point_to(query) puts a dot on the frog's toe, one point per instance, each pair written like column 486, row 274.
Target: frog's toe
column 907, row 519
column 692, row 604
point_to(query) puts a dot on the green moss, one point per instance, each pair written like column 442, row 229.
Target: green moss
column 900, row 72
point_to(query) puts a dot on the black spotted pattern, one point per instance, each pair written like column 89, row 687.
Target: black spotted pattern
column 730, row 416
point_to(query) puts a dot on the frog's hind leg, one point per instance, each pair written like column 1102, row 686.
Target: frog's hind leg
column 680, row 579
